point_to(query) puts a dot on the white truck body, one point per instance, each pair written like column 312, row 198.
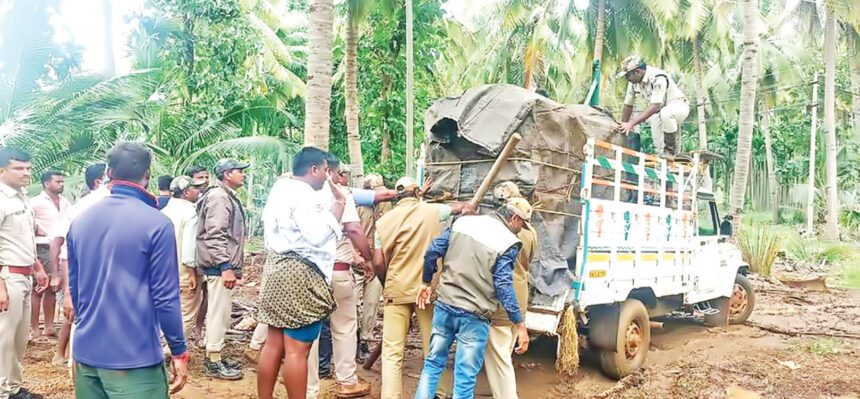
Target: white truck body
column 638, row 237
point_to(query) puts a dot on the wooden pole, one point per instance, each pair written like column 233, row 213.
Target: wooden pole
column 810, row 196
column 494, row 170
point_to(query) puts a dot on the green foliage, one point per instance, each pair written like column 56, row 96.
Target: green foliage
column 818, row 347
column 759, row 247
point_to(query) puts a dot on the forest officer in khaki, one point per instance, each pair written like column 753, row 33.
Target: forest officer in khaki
column 17, row 263
column 667, row 106
column 402, row 236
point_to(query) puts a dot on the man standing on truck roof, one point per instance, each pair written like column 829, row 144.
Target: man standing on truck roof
column 479, row 253
column 401, row 237
column 667, row 106
column 498, row 361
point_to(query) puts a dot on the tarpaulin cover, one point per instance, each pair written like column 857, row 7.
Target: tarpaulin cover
column 465, row 134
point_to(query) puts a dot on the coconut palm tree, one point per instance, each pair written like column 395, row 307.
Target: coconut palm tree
column 356, row 13
column 319, row 67
column 831, row 229
column 749, row 84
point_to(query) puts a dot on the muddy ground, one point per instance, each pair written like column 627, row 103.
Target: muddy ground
column 797, row 344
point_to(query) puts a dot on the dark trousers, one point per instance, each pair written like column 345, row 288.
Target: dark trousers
column 325, row 348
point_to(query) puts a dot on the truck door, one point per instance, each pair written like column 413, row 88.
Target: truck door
column 704, row 271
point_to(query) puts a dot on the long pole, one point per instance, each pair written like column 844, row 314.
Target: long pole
column 810, row 195
column 410, row 145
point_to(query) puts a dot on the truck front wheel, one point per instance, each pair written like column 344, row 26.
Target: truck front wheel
column 631, row 342
column 742, row 301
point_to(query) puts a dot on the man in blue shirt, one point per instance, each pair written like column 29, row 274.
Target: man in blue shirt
column 124, row 284
column 478, row 255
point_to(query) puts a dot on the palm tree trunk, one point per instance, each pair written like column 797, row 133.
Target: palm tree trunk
column 771, row 171
column 831, row 229
column 600, row 33
column 700, row 105
column 854, row 72
column 385, row 152
column 810, row 191
column 410, row 95
column 746, row 120
column 107, row 14
column 351, row 91
column 318, row 94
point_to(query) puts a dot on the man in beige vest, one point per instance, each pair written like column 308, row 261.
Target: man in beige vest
column 498, row 363
column 478, row 255
column 402, row 235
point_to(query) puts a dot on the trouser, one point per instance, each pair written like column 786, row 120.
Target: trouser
column 395, row 329
column 326, row 348
column 498, row 362
column 191, row 300
column 344, row 323
column 259, row 337
column 14, row 330
column 97, row 383
column 471, row 332
column 666, row 126
column 218, row 314
column 370, row 294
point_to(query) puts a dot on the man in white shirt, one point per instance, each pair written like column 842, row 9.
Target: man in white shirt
column 301, row 233
column 181, row 211
column 667, row 106
column 98, row 189
column 344, row 320
column 48, row 207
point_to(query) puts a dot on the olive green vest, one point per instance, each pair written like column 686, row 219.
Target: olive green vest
column 475, row 244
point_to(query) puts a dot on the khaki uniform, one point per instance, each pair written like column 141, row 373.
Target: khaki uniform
column 369, row 293
column 403, row 245
column 657, row 87
column 17, row 248
column 497, row 360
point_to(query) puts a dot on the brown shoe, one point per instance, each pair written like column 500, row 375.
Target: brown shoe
column 357, row 390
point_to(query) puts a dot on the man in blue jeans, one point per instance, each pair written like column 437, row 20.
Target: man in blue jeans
column 478, row 254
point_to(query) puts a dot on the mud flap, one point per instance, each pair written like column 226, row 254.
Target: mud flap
column 603, row 326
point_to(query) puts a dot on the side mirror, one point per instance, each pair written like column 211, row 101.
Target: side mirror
column 726, row 227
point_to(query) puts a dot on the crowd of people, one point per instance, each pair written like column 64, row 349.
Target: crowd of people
column 141, row 278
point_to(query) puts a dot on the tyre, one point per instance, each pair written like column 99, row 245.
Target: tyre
column 742, row 301
column 720, row 319
column 631, row 342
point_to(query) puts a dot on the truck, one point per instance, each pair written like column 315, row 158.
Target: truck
column 623, row 236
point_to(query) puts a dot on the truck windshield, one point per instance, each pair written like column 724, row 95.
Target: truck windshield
column 707, row 226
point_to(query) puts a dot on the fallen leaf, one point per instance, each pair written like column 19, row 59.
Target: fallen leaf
column 791, row 365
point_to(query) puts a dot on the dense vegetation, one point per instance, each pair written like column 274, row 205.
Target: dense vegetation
column 214, row 78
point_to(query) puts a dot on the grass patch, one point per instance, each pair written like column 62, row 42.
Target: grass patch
column 759, row 246
column 849, row 275
column 818, row 347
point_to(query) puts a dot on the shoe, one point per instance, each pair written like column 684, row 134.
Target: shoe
column 221, row 372
column 363, row 351
column 357, row 390
column 231, row 364
column 24, row 393
column 252, row 355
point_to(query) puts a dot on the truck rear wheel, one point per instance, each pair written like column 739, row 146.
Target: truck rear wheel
column 742, row 301
column 631, row 342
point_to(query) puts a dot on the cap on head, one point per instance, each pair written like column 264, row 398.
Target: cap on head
column 228, row 164
column 506, row 190
column 404, row 184
column 181, row 183
column 520, row 207
column 630, row 63
column 373, row 180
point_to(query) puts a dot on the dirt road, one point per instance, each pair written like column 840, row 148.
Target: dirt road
column 686, row 360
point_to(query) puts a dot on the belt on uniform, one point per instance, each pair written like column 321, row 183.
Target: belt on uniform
column 342, row 267
column 25, row 270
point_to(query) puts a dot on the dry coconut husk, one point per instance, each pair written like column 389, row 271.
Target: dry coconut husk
column 567, row 360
